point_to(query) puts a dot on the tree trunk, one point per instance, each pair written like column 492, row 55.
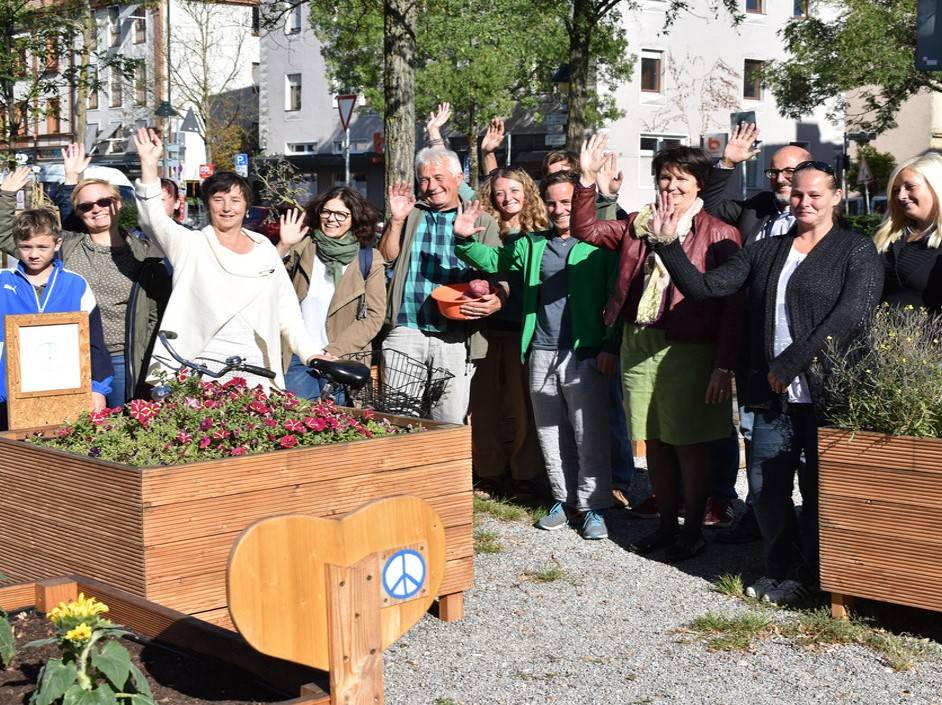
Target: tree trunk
column 399, row 17
column 473, row 167
column 580, row 37
column 81, row 92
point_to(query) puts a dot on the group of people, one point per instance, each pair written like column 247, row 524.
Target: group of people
column 600, row 327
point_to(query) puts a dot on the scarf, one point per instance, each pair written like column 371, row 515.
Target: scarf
column 335, row 252
column 656, row 276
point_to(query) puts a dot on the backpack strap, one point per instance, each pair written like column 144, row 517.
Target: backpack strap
column 365, row 257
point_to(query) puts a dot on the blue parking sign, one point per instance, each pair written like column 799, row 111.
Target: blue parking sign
column 242, row 164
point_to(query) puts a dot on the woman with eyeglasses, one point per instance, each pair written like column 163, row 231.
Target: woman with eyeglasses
column 125, row 273
column 339, row 279
column 815, row 284
column 910, row 235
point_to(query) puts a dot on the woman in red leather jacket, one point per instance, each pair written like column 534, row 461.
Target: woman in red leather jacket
column 677, row 355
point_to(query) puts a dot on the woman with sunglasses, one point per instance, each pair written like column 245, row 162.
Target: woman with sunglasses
column 125, row 273
column 339, row 279
column 818, row 283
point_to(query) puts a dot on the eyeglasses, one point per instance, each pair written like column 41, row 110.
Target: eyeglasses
column 773, row 173
column 339, row 216
column 88, row 205
column 817, row 166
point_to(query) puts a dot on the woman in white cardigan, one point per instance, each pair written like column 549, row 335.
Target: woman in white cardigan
column 231, row 293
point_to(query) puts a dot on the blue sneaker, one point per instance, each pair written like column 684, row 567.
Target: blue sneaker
column 593, row 526
column 555, row 519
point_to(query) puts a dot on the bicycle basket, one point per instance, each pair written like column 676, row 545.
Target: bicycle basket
column 401, row 385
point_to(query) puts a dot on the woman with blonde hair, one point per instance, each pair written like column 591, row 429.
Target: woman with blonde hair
column 499, row 388
column 909, row 237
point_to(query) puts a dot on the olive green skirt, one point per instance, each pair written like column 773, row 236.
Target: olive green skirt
column 665, row 384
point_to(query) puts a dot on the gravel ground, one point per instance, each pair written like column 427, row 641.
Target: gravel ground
column 608, row 631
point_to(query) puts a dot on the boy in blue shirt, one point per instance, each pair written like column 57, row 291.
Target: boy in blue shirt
column 40, row 284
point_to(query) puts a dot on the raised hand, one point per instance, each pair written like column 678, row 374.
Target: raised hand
column 740, row 146
column 16, row 180
column 436, row 120
column 591, row 158
column 401, row 200
column 610, row 177
column 664, row 222
column 292, row 228
column 465, row 220
column 74, row 162
column 494, row 137
column 150, row 148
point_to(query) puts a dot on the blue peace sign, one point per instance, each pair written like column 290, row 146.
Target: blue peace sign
column 404, row 574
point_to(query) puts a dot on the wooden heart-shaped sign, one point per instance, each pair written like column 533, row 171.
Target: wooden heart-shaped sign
column 276, row 578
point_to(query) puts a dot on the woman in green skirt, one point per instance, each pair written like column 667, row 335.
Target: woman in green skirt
column 677, row 355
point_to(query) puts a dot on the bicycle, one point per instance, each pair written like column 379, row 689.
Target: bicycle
column 403, row 385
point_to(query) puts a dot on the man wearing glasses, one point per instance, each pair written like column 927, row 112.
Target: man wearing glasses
column 764, row 215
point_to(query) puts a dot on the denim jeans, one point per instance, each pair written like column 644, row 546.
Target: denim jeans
column 779, row 438
column 623, row 462
column 724, row 466
column 300, row 380
column 116, row 397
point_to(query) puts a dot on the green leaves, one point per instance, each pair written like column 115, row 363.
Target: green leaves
column 7, row 648
column 102, row 695
column 55, row 679
column 114, row 662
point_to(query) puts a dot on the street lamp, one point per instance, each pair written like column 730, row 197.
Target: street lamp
column 166, row 111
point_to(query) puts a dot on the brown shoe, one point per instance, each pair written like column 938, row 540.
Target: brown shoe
column 619, row 499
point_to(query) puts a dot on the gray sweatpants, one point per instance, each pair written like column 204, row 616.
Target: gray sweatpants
column 570, row 407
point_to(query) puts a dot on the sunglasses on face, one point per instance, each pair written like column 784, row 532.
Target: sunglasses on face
column 88, row 205
column 773, row 173
column 339, row 216
column 817, row 166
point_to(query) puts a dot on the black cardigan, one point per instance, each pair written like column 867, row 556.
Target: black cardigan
column 832, row 294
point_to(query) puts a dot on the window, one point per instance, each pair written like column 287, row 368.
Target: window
column 752, row 173
column 51, row 58
column 650, row 145
column 752, row 79
column 114, row 26
column 756, row 7
column 293, row 20
column 651, row 71
column 53, row 119
column 800, row 8
column 256, row 20
column 93, row 88
column 300, row 147
column 22, row 118
column 292, row 92
column 140, row 25
column 140, row 84
column 115, row 89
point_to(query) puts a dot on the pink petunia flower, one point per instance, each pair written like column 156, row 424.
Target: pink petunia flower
column 288, row 441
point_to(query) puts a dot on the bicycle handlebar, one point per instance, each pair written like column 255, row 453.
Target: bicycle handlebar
column 233, row 364
column 348, row 373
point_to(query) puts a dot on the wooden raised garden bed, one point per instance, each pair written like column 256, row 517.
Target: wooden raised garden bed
column 880, row 513
column 164, row 533
column 188, row 638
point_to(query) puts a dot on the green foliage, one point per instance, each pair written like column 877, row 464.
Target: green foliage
column 868, row 48
column 207, row 420
column 486, row 541
column 866, row 225
column 890, row 382
column 881, row 166
column 128, row 217
column 7, row 647
column 730, row 585
column 547, row 574
column 731, row 633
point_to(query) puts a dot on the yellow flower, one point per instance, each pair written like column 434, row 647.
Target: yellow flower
column 81, row 633
column 79, row 609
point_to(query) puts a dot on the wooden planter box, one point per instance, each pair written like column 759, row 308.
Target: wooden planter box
column 881, row 510
column 176, row 630
column 164, row 533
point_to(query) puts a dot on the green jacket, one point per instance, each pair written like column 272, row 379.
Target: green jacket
column 149, row 292
column 591, row 276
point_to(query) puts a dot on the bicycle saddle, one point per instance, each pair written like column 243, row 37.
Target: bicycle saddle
column 346, row 372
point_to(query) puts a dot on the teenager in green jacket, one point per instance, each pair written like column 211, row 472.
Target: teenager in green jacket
column 568, row 348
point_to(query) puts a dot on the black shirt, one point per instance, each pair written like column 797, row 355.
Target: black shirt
column 913, row 274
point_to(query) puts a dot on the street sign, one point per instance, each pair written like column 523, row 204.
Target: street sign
column 207, row 170
column 345, row 106
column 714, row 143
column 864, row 175
column 190, row 123
column 242, row 164
column 744, row 118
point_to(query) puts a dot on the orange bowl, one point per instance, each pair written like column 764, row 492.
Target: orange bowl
column 448, row 298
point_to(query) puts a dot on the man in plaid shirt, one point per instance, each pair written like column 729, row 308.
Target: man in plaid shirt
column 419, row 241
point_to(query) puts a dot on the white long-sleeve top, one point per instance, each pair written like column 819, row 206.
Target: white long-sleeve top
column 210, row 287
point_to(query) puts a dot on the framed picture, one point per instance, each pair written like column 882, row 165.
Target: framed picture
column 48, row 368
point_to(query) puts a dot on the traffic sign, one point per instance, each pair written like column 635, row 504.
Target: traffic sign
column 242, row 164
column 345, row 105
column 864, row 175
column 714, row 143
column 207, row 170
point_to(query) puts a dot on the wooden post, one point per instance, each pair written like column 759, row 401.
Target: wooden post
column 840, row 605
column 355, row 633
column 50, row 593
column 451, row 607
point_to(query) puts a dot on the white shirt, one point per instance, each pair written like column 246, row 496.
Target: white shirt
column 777, row 225
column 316, row 305
column 798, row 389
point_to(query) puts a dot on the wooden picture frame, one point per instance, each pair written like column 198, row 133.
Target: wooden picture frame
column 55, row 383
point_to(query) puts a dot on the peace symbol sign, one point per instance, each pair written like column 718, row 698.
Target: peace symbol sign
column 404, row 574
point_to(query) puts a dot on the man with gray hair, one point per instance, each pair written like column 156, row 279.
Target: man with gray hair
column 419, row 240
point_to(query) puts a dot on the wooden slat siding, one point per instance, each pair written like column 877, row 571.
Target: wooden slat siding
column 170, row 485
column 214, row 515
column 880, row 518
column 894, row 485
column 17, row 597
column 219, row 616
column 210, row 553
column 184, row 632
column 199, row 593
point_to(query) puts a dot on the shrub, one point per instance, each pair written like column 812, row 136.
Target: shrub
column 864, row 224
